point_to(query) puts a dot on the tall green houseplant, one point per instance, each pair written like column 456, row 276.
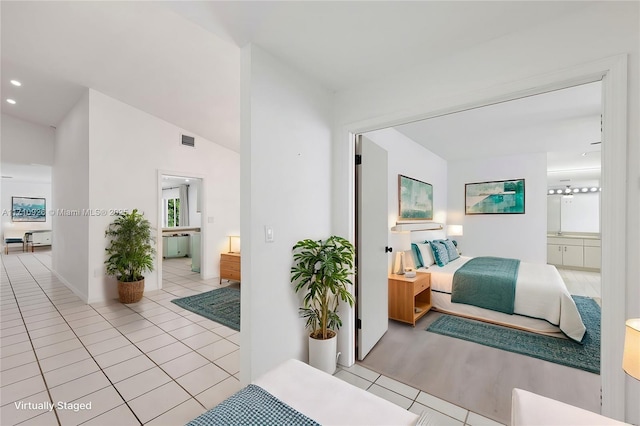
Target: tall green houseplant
column 322, row 270
column 130, row 252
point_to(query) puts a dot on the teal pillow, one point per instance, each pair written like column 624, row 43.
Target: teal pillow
column 451, row 249
column 417, row 257
column 440, row 253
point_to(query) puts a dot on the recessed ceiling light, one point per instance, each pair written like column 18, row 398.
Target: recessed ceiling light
column 11, row 101
column 16, row 83
column 186, row 180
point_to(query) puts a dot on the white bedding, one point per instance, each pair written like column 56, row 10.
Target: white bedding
column 329, row 400
column 540, row 293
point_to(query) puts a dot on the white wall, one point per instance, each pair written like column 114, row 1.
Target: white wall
column 23, row 144
column 408, row 158
column 130, row 149
column 521, row 236
column 493, row 70
column 26, row 143
column 70, row 191
column 286, row 175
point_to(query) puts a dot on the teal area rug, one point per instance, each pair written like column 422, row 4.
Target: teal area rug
column 584, row 356
column 220, row 305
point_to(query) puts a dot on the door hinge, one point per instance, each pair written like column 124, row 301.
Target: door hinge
column 359, row 324
column 358, row 159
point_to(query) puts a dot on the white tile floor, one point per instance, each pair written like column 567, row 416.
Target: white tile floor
column 147, row 363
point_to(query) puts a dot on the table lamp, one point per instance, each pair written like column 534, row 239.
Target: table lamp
column 631, row 356
column 401, row 242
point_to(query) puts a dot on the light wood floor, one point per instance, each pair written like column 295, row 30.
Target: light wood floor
column 477, row 377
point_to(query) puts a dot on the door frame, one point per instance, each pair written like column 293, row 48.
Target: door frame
column 203, row 215
column 613, row 73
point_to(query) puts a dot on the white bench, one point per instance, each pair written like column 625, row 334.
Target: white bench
column 13, row 237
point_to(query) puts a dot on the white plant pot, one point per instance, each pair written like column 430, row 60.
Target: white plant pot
column 323, row 354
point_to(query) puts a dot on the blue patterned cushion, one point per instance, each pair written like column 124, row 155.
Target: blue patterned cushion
column 417, row 257
column 440, row 253
column 452, row 251
column 252, row 405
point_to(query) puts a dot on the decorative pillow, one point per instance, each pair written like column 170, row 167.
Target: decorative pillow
column 426, row 254
column 440, row 253
column 417, row 258
column 452, row 251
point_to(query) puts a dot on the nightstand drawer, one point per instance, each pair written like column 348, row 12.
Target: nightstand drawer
column 230, row 275
column 421, row 285
column 226, row 265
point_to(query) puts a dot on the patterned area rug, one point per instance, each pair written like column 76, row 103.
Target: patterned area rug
column 221, row 305
column 584, row 355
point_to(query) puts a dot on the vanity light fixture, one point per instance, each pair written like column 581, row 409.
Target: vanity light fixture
column 16, row 83
column 571, row 191
column 11, row 101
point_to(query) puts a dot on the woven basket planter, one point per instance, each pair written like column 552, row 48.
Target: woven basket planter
column 130, row 292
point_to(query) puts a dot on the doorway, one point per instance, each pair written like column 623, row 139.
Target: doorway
column 612, row 71
column 181, row 222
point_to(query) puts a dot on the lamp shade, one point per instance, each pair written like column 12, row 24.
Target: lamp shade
column 454, row 230
column 234, row 243
column 631, row 357
column 400, row 242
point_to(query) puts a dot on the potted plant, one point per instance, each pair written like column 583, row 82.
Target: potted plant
column 129, row 254
column 323, row 270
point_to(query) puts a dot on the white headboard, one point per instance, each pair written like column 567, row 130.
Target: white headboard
column 430, row 235
column 421, row 231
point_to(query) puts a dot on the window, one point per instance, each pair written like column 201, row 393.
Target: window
column 172, row 212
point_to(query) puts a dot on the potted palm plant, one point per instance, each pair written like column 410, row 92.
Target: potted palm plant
column 129, row 254
column 323, row 270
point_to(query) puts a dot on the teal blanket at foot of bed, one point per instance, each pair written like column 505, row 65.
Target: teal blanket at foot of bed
column 252, row 405
column 487, row 282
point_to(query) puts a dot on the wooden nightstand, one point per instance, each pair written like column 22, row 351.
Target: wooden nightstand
column 407, row 294
column 230, row 267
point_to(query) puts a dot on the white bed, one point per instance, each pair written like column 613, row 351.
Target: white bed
column 319, row 396
column 542, row 302
column 329, row 400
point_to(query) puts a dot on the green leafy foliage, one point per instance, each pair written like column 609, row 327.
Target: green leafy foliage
column 130, row 253
column 323, row 270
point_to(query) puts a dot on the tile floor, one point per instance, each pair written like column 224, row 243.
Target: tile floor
column 146, row 363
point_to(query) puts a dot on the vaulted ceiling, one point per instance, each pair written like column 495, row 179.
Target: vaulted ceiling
column 180, row 61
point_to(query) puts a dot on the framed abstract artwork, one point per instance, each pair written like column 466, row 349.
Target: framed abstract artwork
column 415, row 199
column 496, row 197
column 27, row 209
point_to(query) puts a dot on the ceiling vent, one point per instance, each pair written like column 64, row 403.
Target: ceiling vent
column 189, row 141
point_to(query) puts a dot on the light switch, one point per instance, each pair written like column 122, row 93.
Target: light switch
column 268, row 234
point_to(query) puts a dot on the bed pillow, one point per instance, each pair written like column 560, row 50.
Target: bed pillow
column 426, row 254
column 440, row 253
column 417, row 258
column 452, row 251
